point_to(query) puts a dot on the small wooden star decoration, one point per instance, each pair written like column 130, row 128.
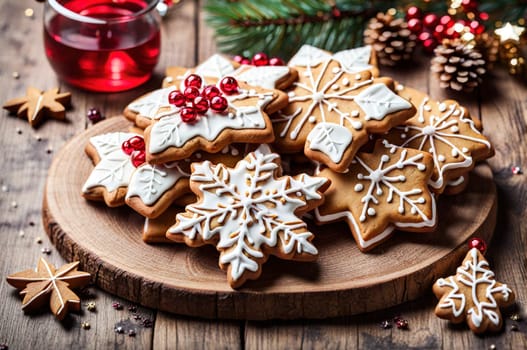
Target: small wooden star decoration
column 48, row 283
column 39, row 104
column 473, row 295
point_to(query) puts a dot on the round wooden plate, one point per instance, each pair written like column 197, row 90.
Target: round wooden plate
column 178, row 279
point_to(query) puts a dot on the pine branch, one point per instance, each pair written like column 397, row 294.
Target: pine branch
column 280, row 27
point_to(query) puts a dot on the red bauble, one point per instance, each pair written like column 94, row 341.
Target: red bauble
column 430, row 20
column 193, row 80
column 415, row 25
column 191, row 93
column 218, row 104
column 439, row 32
column 246, row 61
column 238, row 58
column 478, row 243
column 447, row 21
column 260, row 59
column 229, row 85
column 138, row 157
column 483, row 16
column 424, row 36
column 176, row 98
column 476, row 27
column 469, row 5
column 200, row 104
column 413, row 12
column 188, row 114
column 94, row 115
column 429, row 45
column 276, row 61
column 210, row 91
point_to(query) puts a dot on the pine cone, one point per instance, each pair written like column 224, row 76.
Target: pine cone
column 390, row 38
column 458, row 66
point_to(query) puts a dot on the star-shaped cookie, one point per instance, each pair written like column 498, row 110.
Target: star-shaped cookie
column 249, row 212
column 144, row 109
column 333, row 109
column 39, row 104
column 48, row 284
column 445, row 130
column 473, row 295
column 384, row 190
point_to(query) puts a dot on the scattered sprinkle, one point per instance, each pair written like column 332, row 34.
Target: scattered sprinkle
column 16, row 75
column 131, row 333
column 119, row 330
column 516, row 170
column 18, row 131
column 5, row 188
column 91, row 306
column 21, row 233
column 38, row 138
column 38, row 240
column 386, row 324
column 514, row 328
column 85, row 325
column 14, row 204
column 136, row 317
column 402, row 324
column 515, row 317
column 29, row 12
column 4, row 346
column 45, row 250
column 117, row 305
column 147, row 323
column 49, row 150
column 132, row 308
column 492, row 347
column 31, row 223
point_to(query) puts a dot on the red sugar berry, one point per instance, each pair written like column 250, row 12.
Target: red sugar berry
column 193, row 80
column 188, row 114
column 137, row 143
column 478, row 243
column 413, row 12
column 201, row 104
column 138, row 157
column 127, row 148
column 218, row 104
column 229, row 85
column 276, row 61
column 176, row 98
column 94, row 115
column 430, row 20
column 238, row 58
column 210, row 91
column 191, row 93
column 246, row 61
column 260, row 59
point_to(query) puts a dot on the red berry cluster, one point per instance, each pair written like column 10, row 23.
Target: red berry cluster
column 431, row 29
column 135, row 148
column 259, row 59
column 195, row 100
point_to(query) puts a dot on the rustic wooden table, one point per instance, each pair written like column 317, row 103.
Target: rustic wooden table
column 26, row 154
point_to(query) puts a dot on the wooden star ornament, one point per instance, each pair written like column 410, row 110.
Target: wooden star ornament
column 48, row 283
column 473, row 294
column 37, row 105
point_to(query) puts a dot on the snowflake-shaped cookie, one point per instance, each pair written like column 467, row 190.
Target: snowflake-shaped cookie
column 109, row 179
column 249, row 212
column 473, row 294
column 331, row 111
column 144, row 109
column 445, row 130
column 169, row 138
column 381, row 191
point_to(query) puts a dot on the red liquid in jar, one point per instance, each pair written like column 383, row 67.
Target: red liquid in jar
column 103, row 57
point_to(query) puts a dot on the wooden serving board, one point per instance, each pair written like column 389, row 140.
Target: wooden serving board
column 178, row 279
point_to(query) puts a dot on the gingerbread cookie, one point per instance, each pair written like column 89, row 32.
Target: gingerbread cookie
column 249, row 212
column 473, row 294
column 331, row 111
column 384, row 190
column 39, row 104
column 153, row 188
column 114, row 167
column 49, row 285
column 445, row 130
column 234, row 112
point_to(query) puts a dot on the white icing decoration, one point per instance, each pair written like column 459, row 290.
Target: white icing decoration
column 443, row 129
column 330, row 139
column 476, row 275
column 345, row 82
column 312, row 119
column 111, row 142
column 239, row 205
column 170, row 130
column 112, row 172
column 358, row 187
column 309, row 56
column 456, row 182
column 148, row 106
column 216, row 66
column 378, row 101
column 150, row 182
column 264, row 76
column 354, row 60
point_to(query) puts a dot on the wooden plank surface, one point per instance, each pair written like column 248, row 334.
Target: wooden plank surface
column 25, row 160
